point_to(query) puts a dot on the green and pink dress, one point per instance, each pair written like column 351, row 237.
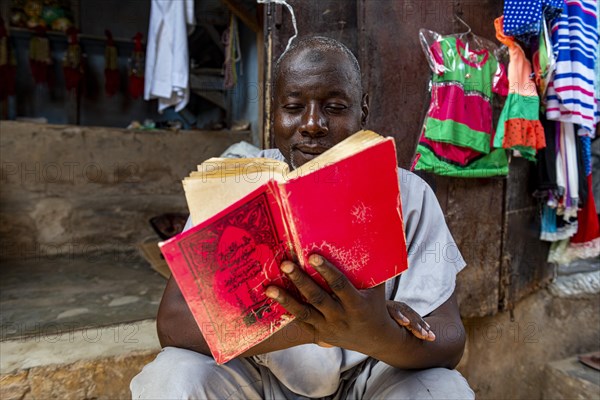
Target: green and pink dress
column 457, row 136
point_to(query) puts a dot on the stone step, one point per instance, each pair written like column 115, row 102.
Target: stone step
column 92, row 363
column 570, row 379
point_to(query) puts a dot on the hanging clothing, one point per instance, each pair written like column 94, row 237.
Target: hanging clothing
column 586, row 242
column 111, row 66
column 461, row 110
column 563, row 199
column 40, row 58
column 581, row 170
column 597, row 70
column 486, row 165
column 167, row 57
column 570, row 96
column 136, row 69
column 567, row 172
column 547, row 190
column 546, row 161
column 8, row 65
column 72, row 65
column 458, row 131
column 543, row 60
column 523, row 17
column 586, row 150
column 519, row 127
column 233, row 53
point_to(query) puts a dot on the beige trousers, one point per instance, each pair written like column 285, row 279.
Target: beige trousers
column 184, row 374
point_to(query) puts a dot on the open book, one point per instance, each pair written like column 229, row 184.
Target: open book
column 251, row 214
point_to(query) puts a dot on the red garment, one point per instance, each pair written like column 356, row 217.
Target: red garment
column 136, row 68
column 111, row 68
column 458, row 155
column 587, row 219
column 39, row 56
column 72, row 66
column 474, row 111
column 8, row 70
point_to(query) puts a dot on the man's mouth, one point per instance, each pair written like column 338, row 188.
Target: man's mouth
column 311, row 149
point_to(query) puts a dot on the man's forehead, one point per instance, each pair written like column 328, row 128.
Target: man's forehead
column 316, row 57
column 300, row 68
column 323, row 84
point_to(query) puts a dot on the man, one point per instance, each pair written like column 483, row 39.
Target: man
column 349, row 344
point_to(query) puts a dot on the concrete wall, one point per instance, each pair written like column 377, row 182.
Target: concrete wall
column 74, row 190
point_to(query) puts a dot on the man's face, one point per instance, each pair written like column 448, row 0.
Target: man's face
column 317, row 104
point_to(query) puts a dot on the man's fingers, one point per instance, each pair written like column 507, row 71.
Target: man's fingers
column 398, row 316
column 337, row 281
column 411, row 320
column 420, row 333
column 302, row 312
column 314, row 294
column 311, row 291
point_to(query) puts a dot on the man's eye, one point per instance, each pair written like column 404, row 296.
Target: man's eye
column 335, row 108
column 292, row 107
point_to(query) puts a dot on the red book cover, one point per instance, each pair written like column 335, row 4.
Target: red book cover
column 348, row 211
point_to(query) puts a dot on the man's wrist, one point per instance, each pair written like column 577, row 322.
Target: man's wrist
column 389, row 343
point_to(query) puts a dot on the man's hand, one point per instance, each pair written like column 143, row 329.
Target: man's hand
column 348, row 318
column 404, row 315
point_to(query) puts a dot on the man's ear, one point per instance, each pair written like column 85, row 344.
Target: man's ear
column 272, row 118
column 365, row 110
column 272, row 107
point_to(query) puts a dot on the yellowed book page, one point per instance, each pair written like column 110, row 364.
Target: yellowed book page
column 220, row 182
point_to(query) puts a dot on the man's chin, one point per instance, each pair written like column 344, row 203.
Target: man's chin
column 299, row 158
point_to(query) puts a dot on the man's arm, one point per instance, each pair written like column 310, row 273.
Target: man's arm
column 176, row 327
column 175, row 324
column 359, row 320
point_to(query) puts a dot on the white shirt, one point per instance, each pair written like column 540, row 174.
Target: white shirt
column 433, row 262
column 167, row 58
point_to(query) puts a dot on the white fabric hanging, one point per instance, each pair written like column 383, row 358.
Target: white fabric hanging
column 567, row 170
column 167, row 58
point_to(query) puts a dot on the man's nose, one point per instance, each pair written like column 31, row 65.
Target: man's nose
column 314, row 123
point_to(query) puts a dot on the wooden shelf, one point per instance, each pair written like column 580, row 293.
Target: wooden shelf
column 55, row 35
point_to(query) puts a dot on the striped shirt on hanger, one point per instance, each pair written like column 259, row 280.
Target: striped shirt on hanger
column 570, row 96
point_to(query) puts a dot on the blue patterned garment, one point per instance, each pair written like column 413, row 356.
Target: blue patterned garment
column 586, row 143
column 597, row 73
column 522, row 18
column 552, row 8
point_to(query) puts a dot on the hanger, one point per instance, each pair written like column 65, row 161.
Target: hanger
column 459, row 19
column 465, row 37
column 472, row 41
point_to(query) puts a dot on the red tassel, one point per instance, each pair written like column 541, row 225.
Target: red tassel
column 136, row 68
column 136, row 86
column 39, row 55
column 72, row 66
column 8, row 70
column 111, row 69
column 113, row 81
column 8, row 83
